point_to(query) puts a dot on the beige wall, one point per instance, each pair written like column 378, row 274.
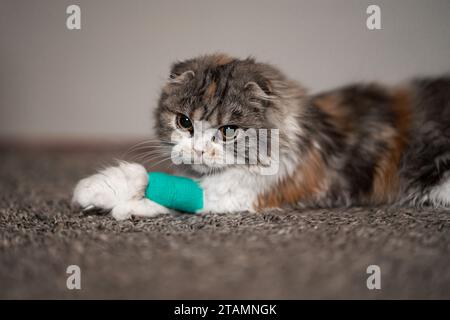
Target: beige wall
column 103, row 80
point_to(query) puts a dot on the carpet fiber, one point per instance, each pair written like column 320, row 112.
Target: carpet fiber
column 293, row 254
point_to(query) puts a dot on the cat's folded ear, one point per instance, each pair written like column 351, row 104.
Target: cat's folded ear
column 265, row 82
column 181, row 78
column 269, row 84
column 259, row 91
column 181, row 72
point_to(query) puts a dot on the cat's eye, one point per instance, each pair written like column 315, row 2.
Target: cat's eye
column 228, row 132
column 183, row 122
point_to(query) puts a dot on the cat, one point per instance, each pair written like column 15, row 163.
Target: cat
column 361, row 144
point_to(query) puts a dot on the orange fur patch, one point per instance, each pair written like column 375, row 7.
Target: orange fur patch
column 211, row 90
column 303, row 184
column 386, row 179
column 339, row 114
column 221, row 59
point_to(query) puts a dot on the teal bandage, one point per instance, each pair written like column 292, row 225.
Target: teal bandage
column 174, row 192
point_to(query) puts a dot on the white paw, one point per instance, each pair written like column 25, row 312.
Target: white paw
column 111, row 187
column 140, row 208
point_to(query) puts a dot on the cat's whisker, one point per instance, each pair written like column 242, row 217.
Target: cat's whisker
column 148, row 156
column 138, row 144
column 144, row 155
column 148, row 142
column 149, row 145
column 159, row 162
column 145, row 150
column 150, row 148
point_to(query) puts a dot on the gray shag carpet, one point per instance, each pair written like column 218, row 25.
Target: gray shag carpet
column 276, row 255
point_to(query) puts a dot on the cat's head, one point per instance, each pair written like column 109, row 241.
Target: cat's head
column 213, row 108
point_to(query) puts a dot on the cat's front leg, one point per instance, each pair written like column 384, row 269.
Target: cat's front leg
column 120, row 190
column 229, row 193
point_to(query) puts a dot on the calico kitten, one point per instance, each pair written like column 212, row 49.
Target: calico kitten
column 357, row 145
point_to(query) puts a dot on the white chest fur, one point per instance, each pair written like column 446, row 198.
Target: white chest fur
column 237, row 189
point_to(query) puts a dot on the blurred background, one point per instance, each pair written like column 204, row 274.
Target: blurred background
column 101, row 83
column 72, row 101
